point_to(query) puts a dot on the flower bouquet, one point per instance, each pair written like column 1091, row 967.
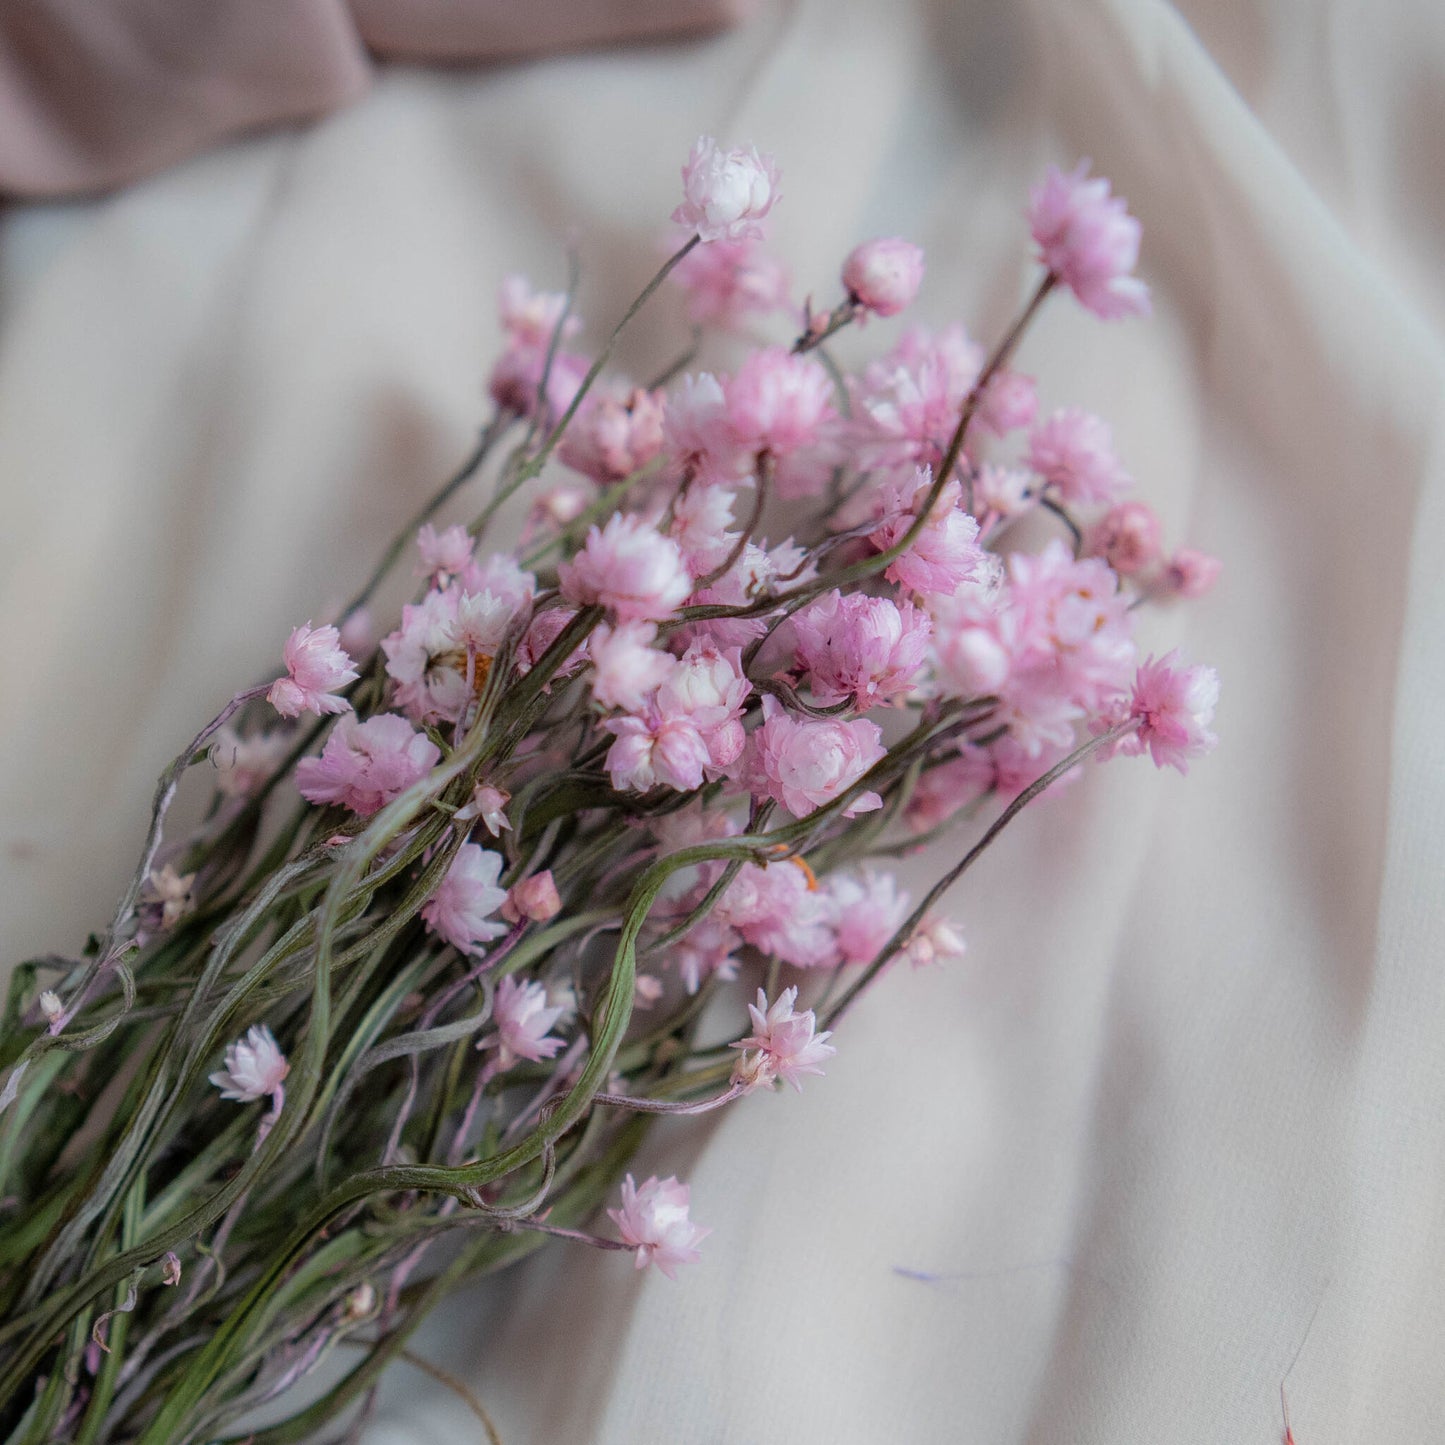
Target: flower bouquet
column 598, row 831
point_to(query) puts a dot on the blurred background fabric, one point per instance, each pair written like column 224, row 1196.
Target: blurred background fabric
column 1186, row 1094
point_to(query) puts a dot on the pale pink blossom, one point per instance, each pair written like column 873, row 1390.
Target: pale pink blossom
column 784, row 1044
column 1073, row 451
column 524, row 1020
column 777, row 401
column 701, row 522
column 316, row 665
column 364, row 765
column 358, row 631
column 545, row 629
column 535, row 898
column 709, row 690
column 729, row 282
column 652, row 750
column 726, row 194
column 884, row 275
column 972, row 655
column 1009, row 402
column 502, row 576
column 51, row 1005
column 435, row 657
column 781, row 911
column 531, row 317
column 1126, row 537
column 1087, row 238
column 1191, row 573
column 697, row 434
column 868, row 909
column 462, row 909
column 869, row 649
column 945, row 555
column 907, row 405
column 653, row 1221
column 445, row 554
column 1003, row 491
column 709, row 947
column 254, row 1068
column 626, row 666
column 613, row 435
column 516, row 379
column 1173, row 706
column 806, row 764
column 629, row 568
column 244, row 763
column 935, row 940
column 488, row 805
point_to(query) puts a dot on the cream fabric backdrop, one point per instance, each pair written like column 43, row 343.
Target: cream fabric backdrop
column 1189, row 1085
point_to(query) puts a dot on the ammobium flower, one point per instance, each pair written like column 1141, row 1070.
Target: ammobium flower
column 884, row 275
column 1088, row 239
column 653, row 1221
column 461, row 910
column 630, row 569
column 783, row 1044
column 316, row 665
column 255, row 1067
column 726, row 193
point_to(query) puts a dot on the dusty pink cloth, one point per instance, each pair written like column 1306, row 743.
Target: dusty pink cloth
column 96, row 93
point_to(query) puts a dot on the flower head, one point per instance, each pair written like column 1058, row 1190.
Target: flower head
column 523, row 1018
column 254, row 1068
column 316, row 665
column 626, row 666
column 653, row 1221
column 489, row 805
column 776, row 402
column 783, row 1044
column 461, row 910
column 1087, row 238
column 364, row 765
column 804, row 765
column 630, row 568
column 1174, row 706
column 728, row 282
column 171, row 893
column 1073, row 450
column 535, row 898
column 726, row 194
column 884, row 275
column 243, row 763
column 865, row 648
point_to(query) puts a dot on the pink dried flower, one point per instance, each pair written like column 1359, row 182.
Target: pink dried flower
column 444, row 555
column 728, row 282
column 427, row 656
column 777, row 401
column 709, row 947
column 254, row 1068
column 612, row 436
column 364, row 765
column 1087, row 238
column 782, row 1045
column 1127, row 538
column 865, row 648
column 530, row 317
column 884, row 275
column 945, row 555
column 523, row 1018
column 708, row 689
column 461, row 910
column 488, row 804
column 697, row 433
column 1003, row 491
column 626, row 666
column 804, row 765
column 908, row 403
column 1192, row 573
column 780, row 910
column 653, row 750
column 654, row 1222
column 868, row 909
column 726, row 194
column 545, row 629
column 629, row 568
column 936, row 940
column 1174, row 706
column 535, row 898
column 701, row 521
column 1073, row 451
column 1009, row 402
column 316, row 665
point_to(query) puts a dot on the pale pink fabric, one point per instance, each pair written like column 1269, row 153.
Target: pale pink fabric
column 97, row 93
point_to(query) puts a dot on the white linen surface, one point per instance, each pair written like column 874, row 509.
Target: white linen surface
column 1188, row 1086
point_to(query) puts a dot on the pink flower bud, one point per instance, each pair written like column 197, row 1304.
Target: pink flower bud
column 535, row 898
column 1191, row 573
column 884, row 275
